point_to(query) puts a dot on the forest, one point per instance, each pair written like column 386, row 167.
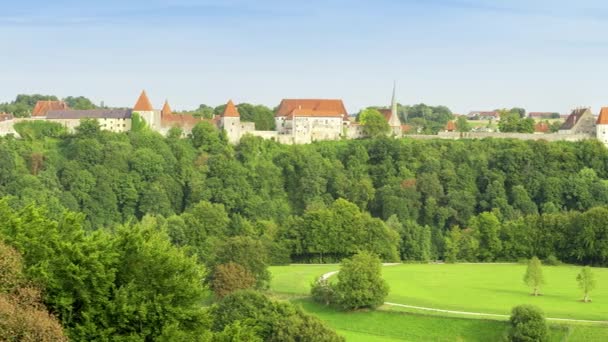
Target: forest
column 104, row 220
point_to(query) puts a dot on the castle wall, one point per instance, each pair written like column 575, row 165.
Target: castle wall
column 521, row 136
column 602, row 133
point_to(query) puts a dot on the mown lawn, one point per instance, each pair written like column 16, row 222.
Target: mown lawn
column 296, row 279
column 493, row 288
column 488, row 288
column 392, row 326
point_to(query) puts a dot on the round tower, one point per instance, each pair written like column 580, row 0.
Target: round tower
column 144, row 108
column 230, row 121
column 601, row 127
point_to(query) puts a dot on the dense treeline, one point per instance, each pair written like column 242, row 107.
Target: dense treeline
column 125, row 233
column 318, row 202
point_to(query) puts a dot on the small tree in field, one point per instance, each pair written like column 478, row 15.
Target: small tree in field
column 534, row 276
column 527, row 324
column 231, row 277
column 586, row 281
column 360, row 283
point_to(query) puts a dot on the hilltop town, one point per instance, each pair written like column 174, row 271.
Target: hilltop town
column 302, row 121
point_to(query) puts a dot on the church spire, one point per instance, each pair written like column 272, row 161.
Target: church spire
column 394, row 120
column 394, row 101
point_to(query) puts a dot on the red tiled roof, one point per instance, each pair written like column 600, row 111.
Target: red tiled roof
column 406, row 128
column 230, row 110
column 166, row 109
column 541, row 127
column 42, row 107
column 386, row 113
column 5, row 117
column 143, row 104
column 541, row 114
column 312, row 107
column 574, row 118
column 603, row 118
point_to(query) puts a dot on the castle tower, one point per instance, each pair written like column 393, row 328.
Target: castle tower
column 166, row 111
column 601, row 127
column 144, row 108
column 230, row 121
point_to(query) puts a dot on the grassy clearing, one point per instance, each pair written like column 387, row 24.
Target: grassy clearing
column 465, row 287
column 495, row 288
column 392, row 326
column 296, row 279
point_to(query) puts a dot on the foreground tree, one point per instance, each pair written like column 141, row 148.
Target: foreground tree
column 527, row 324
column 23, row 317
column 360, row 283
column 534, row 275
column 245, row 312
column 586, row 281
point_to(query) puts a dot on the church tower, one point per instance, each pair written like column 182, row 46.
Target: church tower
column 144, row 108
column 394, row 121
column 230, row 121
column 601, row 126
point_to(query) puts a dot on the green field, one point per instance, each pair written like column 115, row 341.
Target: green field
column 491, row 288
column 487, row 288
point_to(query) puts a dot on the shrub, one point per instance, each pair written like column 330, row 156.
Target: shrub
column 231, row 277
column 527, row 324
column 360, row 283
column 322, row 291
column 266, row 319
column 552, row 260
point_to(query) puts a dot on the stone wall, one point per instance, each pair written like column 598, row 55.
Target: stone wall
column 520, row 136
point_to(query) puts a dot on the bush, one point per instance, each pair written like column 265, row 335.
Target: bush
column 267, row 320
column 527, row 324
column 552, row 260
column 322, row 291
column 231, row 277
column 360, row 283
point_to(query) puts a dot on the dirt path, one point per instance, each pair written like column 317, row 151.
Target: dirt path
column 330, row 274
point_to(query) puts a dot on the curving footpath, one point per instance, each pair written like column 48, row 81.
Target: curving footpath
column 329, row 274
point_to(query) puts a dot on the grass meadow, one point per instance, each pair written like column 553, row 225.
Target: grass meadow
column 487, row 288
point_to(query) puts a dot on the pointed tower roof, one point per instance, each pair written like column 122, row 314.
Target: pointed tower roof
column 166, row 109
column 231, row 110
column 450, row 126
column 603, row 118
column 143, row 103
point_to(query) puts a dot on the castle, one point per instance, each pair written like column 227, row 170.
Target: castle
column 297, row 121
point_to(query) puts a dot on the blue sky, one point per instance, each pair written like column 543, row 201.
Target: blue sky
column 466, row 54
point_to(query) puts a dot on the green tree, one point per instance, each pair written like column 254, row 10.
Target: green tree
column 462, row 124
column 88, row 127
column 487, row 228
column 138, row 123
column 272, row 321
column 79, row 103
column 231, row 277
column 586, row 281
column 374, row 124
column 527, row 324
column 247, row 252
column 360, row 283
column 534, row 275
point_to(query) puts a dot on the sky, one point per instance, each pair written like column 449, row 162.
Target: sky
column 543, row 55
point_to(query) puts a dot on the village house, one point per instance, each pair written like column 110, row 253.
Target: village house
column 42, row 107
column 113, row 120
column 481, row 115
column 580, row 121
